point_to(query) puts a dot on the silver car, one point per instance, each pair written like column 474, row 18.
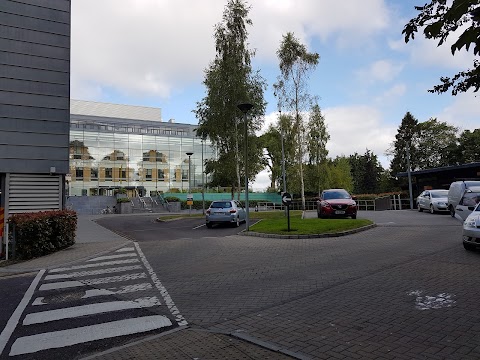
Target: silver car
column 226, row 212
column 471, row 229
column 433, row 201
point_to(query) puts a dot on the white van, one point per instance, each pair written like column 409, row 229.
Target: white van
column 462, row 197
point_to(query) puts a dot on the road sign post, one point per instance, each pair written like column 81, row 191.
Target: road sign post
column 190, row 202
column 286, row 200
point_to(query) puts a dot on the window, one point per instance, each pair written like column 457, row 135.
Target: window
column 185, row 175
column 94, row 173
column 79, row 173
column 148, row 174
column 160, row 175
column 123, row 174
column 108, row 174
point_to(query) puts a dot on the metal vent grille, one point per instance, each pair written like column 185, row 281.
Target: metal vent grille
column 30, row 193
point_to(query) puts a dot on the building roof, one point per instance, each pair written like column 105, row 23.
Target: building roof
column 440, row 169
column 119, row 111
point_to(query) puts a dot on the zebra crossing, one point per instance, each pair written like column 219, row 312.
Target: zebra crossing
column 90, row 306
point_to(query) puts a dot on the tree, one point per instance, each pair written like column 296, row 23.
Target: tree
column 442, row 18
column 434, row 141
column 296, row 64
column 407, row 135
column 466, row 148
column 316, row 140
column 230, row 80
column 273, row 154
column 366, row 173
column 339, row 174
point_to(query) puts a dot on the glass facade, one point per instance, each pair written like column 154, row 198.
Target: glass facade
column 145, row 157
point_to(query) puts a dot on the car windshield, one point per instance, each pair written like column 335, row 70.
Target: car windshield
column 439, row 194
column 470, row 199
column 221, row 204
column 336, row 195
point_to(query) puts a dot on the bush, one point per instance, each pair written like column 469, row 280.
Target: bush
column 42, row 233
column 171, row 199
column 123, row 200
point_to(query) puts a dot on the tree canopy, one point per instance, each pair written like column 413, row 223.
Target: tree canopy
column 441, row 19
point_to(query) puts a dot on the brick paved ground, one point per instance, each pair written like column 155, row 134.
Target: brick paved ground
column 359, row 296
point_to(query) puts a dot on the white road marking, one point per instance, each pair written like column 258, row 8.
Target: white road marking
column 86, row 266
column 63, row 338
column 14, row 319
column 126, row 249
column 111, row 257
column 166, row 296
column 39, row 301
column 120, row 290
column 93, row 272
column 92, row 309
column 197, row 227
column 69, row 284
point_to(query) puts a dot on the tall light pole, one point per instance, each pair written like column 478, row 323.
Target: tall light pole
column 409, row 176
column 203, row 185
column 245, row 107
column 189, row 155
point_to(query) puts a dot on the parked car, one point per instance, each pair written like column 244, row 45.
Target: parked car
column 470, row 199
column 226, row 212
column 471, row 229
column 336, row 203
column 456, row 193
column 433, row 201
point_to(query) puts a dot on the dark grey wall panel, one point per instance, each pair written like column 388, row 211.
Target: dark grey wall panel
column 33, row 87
column 35, row 12
column 39, row 139
column 30, row 23
column 20, row 47
column 9, row 32
column 62, row 5
column 13, row 98
column 38, row 166
column 34, row 113
column 38, row 153
column 36, row 62
column 9, row 71
column 40, row 126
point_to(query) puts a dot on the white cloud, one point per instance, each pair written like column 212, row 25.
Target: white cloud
column 152, row 47
column 463, row 112
column 381, row 70
column 392, row 94
column 357, row 128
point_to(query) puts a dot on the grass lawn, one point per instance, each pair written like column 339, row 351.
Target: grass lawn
column 276, row 223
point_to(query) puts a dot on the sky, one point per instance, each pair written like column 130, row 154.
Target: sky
column 154, row 53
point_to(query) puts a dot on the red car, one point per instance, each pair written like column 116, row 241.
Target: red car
column 336, row 203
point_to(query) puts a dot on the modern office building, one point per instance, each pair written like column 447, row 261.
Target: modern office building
column 34, row 104
column 121, row 146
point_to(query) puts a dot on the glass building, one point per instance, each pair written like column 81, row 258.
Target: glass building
column 120, row 146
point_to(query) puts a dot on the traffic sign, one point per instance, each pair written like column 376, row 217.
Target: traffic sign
column 286, row 198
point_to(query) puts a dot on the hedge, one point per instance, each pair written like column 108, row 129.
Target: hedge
column 42, row 233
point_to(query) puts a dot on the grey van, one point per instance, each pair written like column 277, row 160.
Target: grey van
column 462, row 197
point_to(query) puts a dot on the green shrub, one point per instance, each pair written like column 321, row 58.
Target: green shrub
column 123, row 200
column 171, row 199
column 41, row 233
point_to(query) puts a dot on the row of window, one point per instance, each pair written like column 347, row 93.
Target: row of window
column 129, row 129
column 80, row 174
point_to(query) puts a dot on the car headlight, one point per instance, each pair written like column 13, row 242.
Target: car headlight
column 470, row 223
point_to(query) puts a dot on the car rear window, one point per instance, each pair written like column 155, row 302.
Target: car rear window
column 221, row 204
column 471, row 199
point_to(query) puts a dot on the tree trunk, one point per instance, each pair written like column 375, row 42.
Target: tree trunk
column 237, row 156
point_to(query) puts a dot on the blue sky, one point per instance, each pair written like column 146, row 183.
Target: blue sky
column 154, row 52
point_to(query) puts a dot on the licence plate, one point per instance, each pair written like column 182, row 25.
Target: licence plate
column 339, row 212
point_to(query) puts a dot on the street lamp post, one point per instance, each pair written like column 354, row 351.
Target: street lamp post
column 189, row 155
column 245, row 107
column 203, row 185
column 409, row 176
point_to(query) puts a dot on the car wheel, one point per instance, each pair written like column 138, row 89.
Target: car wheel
column 237, row 222
column 419, row 208
column 469, row 247
column 452, row 211
column 209, row 225
column 432, row 210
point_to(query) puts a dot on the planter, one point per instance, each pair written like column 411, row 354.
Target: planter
column 124, row 208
